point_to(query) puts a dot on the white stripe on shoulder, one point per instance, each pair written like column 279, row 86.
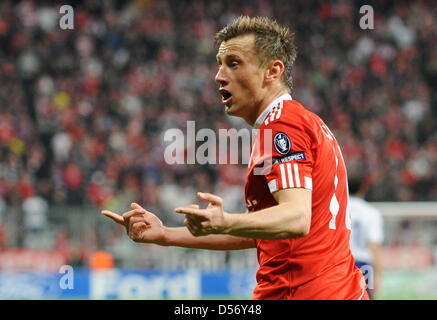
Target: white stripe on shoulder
column 283, row 177
column 308, row 183
column 296, row 175
column 290, row 175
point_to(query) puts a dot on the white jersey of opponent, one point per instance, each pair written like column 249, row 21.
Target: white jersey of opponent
column 367, row 226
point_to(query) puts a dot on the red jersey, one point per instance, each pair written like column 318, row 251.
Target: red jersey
column 295, row 149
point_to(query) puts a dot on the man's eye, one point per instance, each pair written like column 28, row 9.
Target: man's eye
column 234, row 63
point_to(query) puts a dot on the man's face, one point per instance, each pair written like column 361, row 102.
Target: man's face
column 240, row 77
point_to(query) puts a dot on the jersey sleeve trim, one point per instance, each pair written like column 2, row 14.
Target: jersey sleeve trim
column 289, row 176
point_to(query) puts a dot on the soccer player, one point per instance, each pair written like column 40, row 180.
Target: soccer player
column 366, row 237
column 296, row 194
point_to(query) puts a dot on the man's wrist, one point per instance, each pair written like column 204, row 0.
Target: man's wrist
column 164, row 240
column 229, row 220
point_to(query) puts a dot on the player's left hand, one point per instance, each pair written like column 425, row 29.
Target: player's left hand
column 201, row 222
column 141, row 225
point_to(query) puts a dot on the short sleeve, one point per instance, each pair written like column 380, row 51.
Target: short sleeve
column 288, row 157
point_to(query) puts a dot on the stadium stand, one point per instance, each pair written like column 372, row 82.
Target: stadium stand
column 83, row 111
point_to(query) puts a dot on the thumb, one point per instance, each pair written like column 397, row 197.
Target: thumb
column 135, row 205
column 208, row 197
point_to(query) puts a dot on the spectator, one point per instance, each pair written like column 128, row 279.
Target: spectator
column 35, row 210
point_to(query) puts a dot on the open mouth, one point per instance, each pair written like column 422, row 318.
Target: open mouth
column 226, row 96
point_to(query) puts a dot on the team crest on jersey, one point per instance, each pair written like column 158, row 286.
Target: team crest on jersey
column 282, row 143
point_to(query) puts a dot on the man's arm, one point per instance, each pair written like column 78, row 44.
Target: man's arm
column 375, row 249
column 290, row 218
column 182, row 237
column 375, row 237
column 144, row 226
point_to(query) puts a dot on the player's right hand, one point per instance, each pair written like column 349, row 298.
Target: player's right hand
column 141, row 225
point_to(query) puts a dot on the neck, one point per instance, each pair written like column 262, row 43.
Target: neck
column 264, row 103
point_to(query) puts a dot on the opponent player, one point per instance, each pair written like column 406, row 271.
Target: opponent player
column 296, row 193
column 366, row 237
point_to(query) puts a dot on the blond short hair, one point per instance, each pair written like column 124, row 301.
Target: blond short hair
column 272, row 41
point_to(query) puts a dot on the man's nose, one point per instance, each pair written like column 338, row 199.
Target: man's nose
column 220, row 77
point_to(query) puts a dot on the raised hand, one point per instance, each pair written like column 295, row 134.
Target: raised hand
column 141, row 225
column 211, row 220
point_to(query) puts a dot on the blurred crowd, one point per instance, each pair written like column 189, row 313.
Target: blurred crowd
column 83, row 112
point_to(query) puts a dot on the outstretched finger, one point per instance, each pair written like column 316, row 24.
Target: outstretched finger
column 114, row 216
column 193, row 211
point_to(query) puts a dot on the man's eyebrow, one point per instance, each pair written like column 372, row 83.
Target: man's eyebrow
column 233, row 56
column 227, row 56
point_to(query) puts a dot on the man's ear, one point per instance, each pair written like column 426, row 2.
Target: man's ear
column 274, row 71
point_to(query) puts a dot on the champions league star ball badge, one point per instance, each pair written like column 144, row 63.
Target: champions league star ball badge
column 282, row 143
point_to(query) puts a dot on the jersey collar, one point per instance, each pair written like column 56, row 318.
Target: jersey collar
column 269, row 108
